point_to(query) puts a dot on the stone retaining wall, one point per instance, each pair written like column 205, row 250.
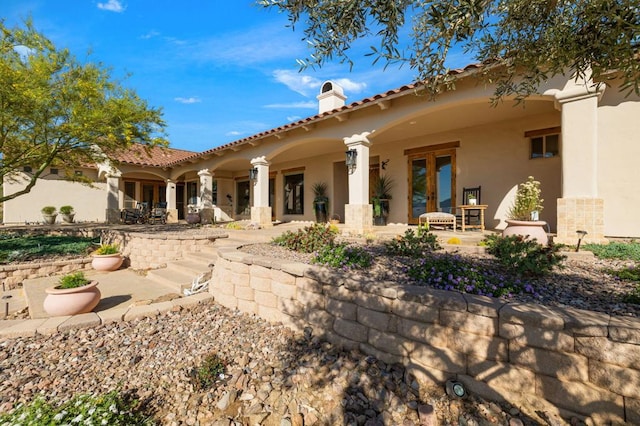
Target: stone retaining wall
column 569, row 361
column 13, row 275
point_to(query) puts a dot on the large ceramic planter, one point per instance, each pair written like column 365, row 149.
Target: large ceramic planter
column 320, row 208
column 193, row 218
column 68, row 218
column 71, row 301
column 49, row 219
column 106, row 262
column 533, row 229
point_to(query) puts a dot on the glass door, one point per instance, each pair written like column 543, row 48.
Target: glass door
column 432, row 179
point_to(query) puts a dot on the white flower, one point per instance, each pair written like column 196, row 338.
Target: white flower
column 113, row 408
column 77, row 419
column 59, row 416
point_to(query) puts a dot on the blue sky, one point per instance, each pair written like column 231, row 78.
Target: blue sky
column 220, row 70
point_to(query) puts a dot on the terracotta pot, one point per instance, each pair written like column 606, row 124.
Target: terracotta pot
column 534, row 229
column 106, row 262
column 192, row 218
column 71, row 301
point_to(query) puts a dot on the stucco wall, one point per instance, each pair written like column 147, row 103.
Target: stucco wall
column 618, row 154
column 89, row 203
column 569, row 361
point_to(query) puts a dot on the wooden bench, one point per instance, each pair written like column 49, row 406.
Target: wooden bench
column 437, row 219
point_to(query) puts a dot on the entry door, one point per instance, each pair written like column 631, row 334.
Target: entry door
column 432, row 180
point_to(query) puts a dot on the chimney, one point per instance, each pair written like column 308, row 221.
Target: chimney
column 331, row 97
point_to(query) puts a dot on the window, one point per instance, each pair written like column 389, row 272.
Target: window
column 544, row 143
column 53, row 171
column 192, row 193
column 27, row 169
column 214, row 192
column 294, row 194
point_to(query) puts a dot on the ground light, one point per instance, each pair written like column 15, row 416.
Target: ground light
column 455, row 389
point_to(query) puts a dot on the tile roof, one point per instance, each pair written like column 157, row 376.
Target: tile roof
column 400, row 91
column 156, row 156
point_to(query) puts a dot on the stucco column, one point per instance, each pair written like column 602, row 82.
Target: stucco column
column 206, row 196
column 170, row 196
column 112, row 214
column 260, row 210
column 359, row 213
column 580, row 208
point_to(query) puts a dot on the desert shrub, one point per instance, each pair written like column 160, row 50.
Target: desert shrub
column 74, row 280
column 631, row 273
column 309, row 239
column 616, row 250
column 412, row 245
column 105, row 249
column 523, row 256
column 210, row 371
column 112, row 408
column 342, row 255
column 448, row 271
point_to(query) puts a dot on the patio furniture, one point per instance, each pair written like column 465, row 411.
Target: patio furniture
column 464, row 209
column 470, row 212
column 158, row 214
column 437, row 219
column 138, row 215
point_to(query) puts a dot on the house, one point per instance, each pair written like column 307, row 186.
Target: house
column 580, row 140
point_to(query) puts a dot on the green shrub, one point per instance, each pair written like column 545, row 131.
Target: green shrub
column 48, row 210
column 448, row 271
column 112, row 408
column 344, row 256
column 74, row 280
column 107, row 249
column 633, row 296
column 210, row 371
column 523, row 256
column 16, row 248
column 412, row 244
column 631, row 273
column 66, row 209
column 309, row 239
column 616, row 250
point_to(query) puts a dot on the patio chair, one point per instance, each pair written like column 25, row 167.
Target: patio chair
column 471, row 215
column 158, row 213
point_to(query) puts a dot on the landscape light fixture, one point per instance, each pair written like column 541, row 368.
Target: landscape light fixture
column 455, row 389
column 352, row 155
column 253, row 174
column 581, row 235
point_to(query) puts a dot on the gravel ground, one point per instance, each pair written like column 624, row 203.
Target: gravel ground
column 273, row 377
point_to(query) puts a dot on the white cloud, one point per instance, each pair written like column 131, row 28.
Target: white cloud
column 351, row 86
column 112, row 6
column 233, row 133
column 308, row 105
column 191, row 100
column 150, row 34
column 293, row 118
column 297, row 82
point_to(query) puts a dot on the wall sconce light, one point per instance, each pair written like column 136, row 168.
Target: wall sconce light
column 581, row 235
column 253, row 174
column 384, row 164
column 352, row 155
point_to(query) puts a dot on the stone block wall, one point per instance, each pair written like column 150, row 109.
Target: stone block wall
column 12, row 275
column 571, row 362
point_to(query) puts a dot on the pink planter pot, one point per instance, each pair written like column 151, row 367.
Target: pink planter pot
column 71, row 301
column 533, row 229
column 106, row 262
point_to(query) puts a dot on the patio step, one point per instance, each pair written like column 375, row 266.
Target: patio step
column 180, row 274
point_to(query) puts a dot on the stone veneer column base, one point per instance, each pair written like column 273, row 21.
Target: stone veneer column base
column 112, row 216
column 584, row 214
column 261, row 216
column 358, row 218
column 172, row 215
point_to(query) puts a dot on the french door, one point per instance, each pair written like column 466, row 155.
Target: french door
column 432, row 182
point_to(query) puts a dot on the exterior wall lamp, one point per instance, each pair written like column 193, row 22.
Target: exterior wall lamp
column 253, row 174
column 350, row 161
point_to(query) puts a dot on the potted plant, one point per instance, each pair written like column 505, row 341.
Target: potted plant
column 74, row 294
column 472, row 200
column 67, row 214
column 107, row 258
column 49, row 215
column 381, row 194
column 193, row 214
column 320, row 201
column 523, row 216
